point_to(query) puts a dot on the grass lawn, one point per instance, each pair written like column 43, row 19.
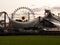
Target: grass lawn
column 29, row 40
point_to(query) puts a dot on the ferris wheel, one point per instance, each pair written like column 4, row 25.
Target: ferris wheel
column 23, row 14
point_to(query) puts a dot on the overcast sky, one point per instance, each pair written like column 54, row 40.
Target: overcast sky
column 10, row 5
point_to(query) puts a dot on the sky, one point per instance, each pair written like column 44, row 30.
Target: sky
column 10, row 5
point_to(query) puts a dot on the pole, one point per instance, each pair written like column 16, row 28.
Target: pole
column 4, row 20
